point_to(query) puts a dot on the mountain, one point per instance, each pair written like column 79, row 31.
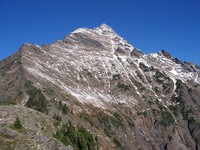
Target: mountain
column 103, row 88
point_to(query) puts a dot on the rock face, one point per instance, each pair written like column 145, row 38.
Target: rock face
column 130, row 100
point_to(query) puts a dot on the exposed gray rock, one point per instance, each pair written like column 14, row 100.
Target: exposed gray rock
column 144, row 67
column 136, row 53
column 83, row 38
column 176, row 60
column 166, row 54
column 1, row 130
column 41, row 138
column 11, row 133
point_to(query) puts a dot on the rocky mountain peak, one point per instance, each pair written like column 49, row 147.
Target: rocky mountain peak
column 103, row 37
column 105, row 28
column 102, row 29
column 169, row 56
column 94, row 77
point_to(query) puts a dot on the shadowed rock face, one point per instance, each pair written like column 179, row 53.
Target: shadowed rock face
column 129, row 99
column 176, row 60
column 166, row 54
column 136, row 53
column 84, row 39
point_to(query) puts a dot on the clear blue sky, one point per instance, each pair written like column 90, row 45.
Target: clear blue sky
column 150, row 25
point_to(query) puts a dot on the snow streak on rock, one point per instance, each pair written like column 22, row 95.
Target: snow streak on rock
column 91, row 64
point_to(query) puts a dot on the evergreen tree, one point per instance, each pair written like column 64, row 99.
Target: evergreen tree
column 65, row 109
column 17, row 123
column 79, row 138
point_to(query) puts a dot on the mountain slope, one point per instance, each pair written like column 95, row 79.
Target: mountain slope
column 130, row 100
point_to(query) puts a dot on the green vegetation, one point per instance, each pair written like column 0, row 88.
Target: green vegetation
column 161, row 77
column 108, row 132
column 17, row 124
column 160, row 105
column 105, row 120
column 58, row 120
column 79, row 138
column 179, row 100
column 181, row 104
column 63, row 107
column 123, row 86
column 28, row 84
column 174, row 109
column 20, row 93
column 179, row 84
column 144, row 113
column 7, row 102
column 116, row 77
column 194, row 121
column 142, row 88
column 6, row 144
column 87, row 118
column 110, row 121
column 167, row 119
column 37, row 100
column 130, row 122
column 117, row 143
column 117, row 120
